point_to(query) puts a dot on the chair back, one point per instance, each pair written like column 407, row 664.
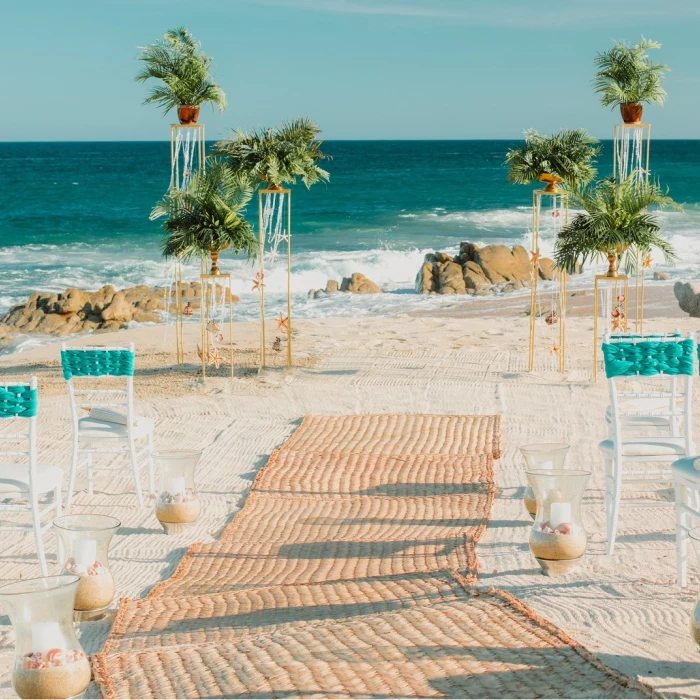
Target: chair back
column 20, row 403
column 668, row 357
column 98, row 363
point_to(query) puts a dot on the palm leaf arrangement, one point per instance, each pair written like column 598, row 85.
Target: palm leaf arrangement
column 616, row 222
column 277, row 155
column 567, row 156
column 207, row 217
column 626, row 75
column 183, row 70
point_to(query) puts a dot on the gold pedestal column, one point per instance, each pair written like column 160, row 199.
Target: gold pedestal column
column 631, row 151
column 212, row 286
column 265, row 229
column 618, row 286
column 559, row 276
column 179, row 311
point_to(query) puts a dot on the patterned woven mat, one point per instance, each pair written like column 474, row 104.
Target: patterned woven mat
column 460, row 644
column 349, row 572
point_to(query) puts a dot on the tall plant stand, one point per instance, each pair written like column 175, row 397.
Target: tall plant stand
column 631, row 151
column 610, row 297
column 216, row 312
column 178, row 313
column 554, row 220
column 275, row 229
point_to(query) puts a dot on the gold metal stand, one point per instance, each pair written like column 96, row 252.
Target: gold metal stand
column 178, row 312
column 559, row 276
column 212, row 286
column 259, row 284
column 626, row 162
column 620, row 288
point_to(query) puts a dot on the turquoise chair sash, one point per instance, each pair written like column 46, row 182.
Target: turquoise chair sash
column 18, row 401
column 97, row 363
column 649, row 358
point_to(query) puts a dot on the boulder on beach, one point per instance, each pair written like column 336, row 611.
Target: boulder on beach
column 688, row 295
column 491, row 269
column 359, row 284
column 662, row 276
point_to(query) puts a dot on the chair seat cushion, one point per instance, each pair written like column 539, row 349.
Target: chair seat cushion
column 94, row 429
column 647, row 447
column 14, row 478
column 686, row 468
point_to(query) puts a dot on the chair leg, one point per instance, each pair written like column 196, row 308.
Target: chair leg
column 681, row 536
column 135, row 467
column 614, row 505
column 36, row 525
column 60, row 554
column 73, row 472
column 151, row 468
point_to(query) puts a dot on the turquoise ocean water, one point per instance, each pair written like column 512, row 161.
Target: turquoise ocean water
column 76, row 214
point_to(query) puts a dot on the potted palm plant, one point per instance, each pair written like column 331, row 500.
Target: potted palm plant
column 207, row 217
column 277, row 155
column 615, row 222
column 183, row 70
column 567, row 156
column 628, row 77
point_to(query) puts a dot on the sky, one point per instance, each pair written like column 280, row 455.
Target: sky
column 363, row 69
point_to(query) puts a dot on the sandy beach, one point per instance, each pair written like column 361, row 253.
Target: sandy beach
column 471, row 359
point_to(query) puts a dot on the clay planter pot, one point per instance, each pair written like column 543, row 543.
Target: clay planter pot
column 188, row 114
column 632, row 112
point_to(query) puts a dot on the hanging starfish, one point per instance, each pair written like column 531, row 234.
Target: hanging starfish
column 618, row 323
column 647, row 263
column 258, row 281
column 282, row 322
column 555, row 350
column 215, row 357
column 534, row 257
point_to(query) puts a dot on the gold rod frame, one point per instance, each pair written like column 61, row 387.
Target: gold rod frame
column 287, row 194
column 209, row 284
column 201, row 163
column 534, row 277
column 618, row 130
column 617, row 281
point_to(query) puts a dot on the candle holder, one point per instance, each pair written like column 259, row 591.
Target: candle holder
column 695, row 616
column 542, row 455
column 49, row 661
column 85, row 540
column 177, row 504
column 558, row 540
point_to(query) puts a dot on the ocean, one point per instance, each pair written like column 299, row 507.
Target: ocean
column 76, row 214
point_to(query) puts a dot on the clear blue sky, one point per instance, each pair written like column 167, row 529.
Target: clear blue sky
column 362, row 68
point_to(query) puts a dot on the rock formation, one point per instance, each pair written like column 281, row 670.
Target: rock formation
column 688, row 295
column 493, row 268
column 77, row 311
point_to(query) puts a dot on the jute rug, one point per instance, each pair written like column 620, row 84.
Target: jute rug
column 350, row 571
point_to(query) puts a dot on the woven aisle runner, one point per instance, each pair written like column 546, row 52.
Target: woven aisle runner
column 350, row 571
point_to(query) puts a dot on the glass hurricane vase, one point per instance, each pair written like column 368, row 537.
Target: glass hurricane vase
column 177, row 504
column 541, row 455
column 49, row 661
column 558, row 539
column 85, row 542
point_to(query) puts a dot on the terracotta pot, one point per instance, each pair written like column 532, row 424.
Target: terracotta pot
column 632, row 112
column 188, row 114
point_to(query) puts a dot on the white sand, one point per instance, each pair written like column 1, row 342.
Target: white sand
column 626, row 608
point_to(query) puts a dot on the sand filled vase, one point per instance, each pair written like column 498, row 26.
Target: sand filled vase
column 177, row 505
column 543, row 455
column 85, row 541
column 558, row 539
column 49, row 661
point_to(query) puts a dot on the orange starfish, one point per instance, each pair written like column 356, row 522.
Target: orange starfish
column 282, row 322
column 258, row 281
column 555, row 350
column 535, row 257
column 647, row 263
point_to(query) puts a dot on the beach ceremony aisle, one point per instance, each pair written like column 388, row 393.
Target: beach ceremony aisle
column 625, row 609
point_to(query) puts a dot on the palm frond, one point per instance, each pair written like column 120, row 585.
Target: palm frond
column 568, row 154
column 277, row 155
column 208, row 215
